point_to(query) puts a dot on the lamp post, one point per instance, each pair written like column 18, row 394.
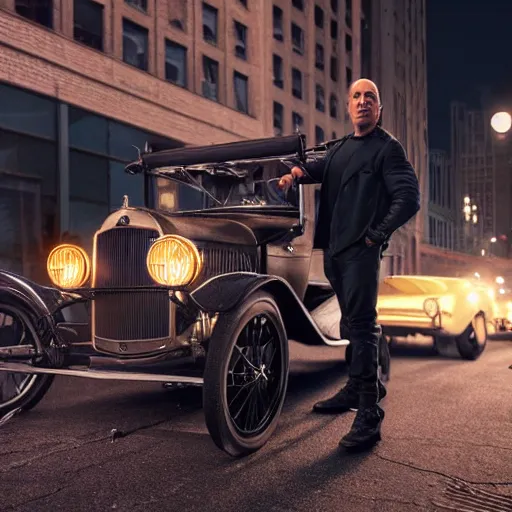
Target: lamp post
column 501, row 123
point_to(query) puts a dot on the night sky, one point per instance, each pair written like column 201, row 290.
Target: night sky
column 469, row 50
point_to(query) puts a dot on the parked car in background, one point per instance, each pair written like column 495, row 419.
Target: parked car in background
column 455, row 312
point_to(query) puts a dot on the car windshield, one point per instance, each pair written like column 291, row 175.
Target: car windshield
column 201, row 190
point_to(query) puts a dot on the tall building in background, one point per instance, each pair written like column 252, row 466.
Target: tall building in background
column 397, row 61
column 482, row 162
column 442, row 211
column 83, row 81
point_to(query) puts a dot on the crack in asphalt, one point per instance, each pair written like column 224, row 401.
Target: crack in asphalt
column 74, row 444
column 434, row 472
column 65, row 446
column 72, row 476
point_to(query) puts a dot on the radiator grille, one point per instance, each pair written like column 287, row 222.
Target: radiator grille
column 121, row 263
column 121, row 257
column 132, row 315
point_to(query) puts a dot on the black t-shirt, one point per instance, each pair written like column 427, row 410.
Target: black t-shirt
column 337, row 166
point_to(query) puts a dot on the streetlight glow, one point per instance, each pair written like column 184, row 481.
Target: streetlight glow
column 500, row 280
column 501, row 122
column 493, row 240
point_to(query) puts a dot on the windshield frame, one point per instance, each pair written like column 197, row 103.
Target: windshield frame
column 177, row 176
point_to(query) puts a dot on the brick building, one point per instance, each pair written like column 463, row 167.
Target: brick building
column 83, row 81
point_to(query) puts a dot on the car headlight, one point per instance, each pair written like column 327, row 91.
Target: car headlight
column 173, row 261
column 431, row 307
column 68, row 266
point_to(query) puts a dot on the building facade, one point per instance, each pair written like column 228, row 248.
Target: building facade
column 83, row 81
column 482, row 161
column 397, row 62
column 442, row 212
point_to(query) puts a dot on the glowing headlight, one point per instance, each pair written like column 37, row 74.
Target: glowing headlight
column 173, row 261
column 431, row 307
column 68, row 266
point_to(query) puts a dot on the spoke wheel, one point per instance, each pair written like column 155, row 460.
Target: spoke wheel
column 19, row 390
column 246, row 376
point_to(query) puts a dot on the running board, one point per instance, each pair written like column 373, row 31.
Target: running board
column 101, row 374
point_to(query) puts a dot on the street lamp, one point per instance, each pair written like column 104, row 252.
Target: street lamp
column 501, row 122
column 493, row 240
column 500, row 280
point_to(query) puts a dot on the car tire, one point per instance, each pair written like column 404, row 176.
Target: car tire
column 469, row 345
column 238, row 372
column 35, row 386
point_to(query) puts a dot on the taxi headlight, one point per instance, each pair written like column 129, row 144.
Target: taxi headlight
column 431, row 307
column 173, row 261
column 68, row 266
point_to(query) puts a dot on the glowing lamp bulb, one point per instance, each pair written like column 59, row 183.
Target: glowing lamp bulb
column 501, row 122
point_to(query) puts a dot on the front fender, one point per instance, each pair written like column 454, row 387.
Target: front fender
column 223, row 293
column 42, row 300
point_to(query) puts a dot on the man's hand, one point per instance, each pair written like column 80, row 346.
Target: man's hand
column 286, row 181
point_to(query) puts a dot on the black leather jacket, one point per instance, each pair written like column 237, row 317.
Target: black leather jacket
column 379, row 193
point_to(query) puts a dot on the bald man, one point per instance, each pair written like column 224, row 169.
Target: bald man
column 369, row 189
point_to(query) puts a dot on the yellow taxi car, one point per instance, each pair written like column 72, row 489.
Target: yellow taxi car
column 457, row 313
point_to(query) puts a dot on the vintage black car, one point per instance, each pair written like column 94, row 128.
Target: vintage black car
column 205, row 286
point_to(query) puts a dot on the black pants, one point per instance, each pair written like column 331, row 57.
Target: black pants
column 354, row 277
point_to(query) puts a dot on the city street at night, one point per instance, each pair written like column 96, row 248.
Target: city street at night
column 446, row 419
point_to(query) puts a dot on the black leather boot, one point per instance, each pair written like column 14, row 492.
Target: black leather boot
column 347, row 399
column 365, row 431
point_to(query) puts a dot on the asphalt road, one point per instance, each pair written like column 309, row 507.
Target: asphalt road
column 446, row 419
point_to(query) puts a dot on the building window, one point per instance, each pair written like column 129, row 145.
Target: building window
column 319, row 17
column 277, row 66
column 88, row 23
column 334, row 136
column 349, row 76
column 297, row 83
column 244, row 3
column 141, row 5
column 210, row 15
column 241, row 85
column 241, row 40
column 177, row 16
column 297, row 39
column 348, row 43
column 334, row 29
column 175, row 63
column 211, row 78
column 319, row 56
column 333, row 106
column 298, row 4
column 334, row 6
column 278, row 118
column 348, row 13
column 320, row 98
column 27, row 113
column 135, row 45
column 297, row 122
column 334, row 69
column 277, row 20
column 319, row 135
column 40, row 11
